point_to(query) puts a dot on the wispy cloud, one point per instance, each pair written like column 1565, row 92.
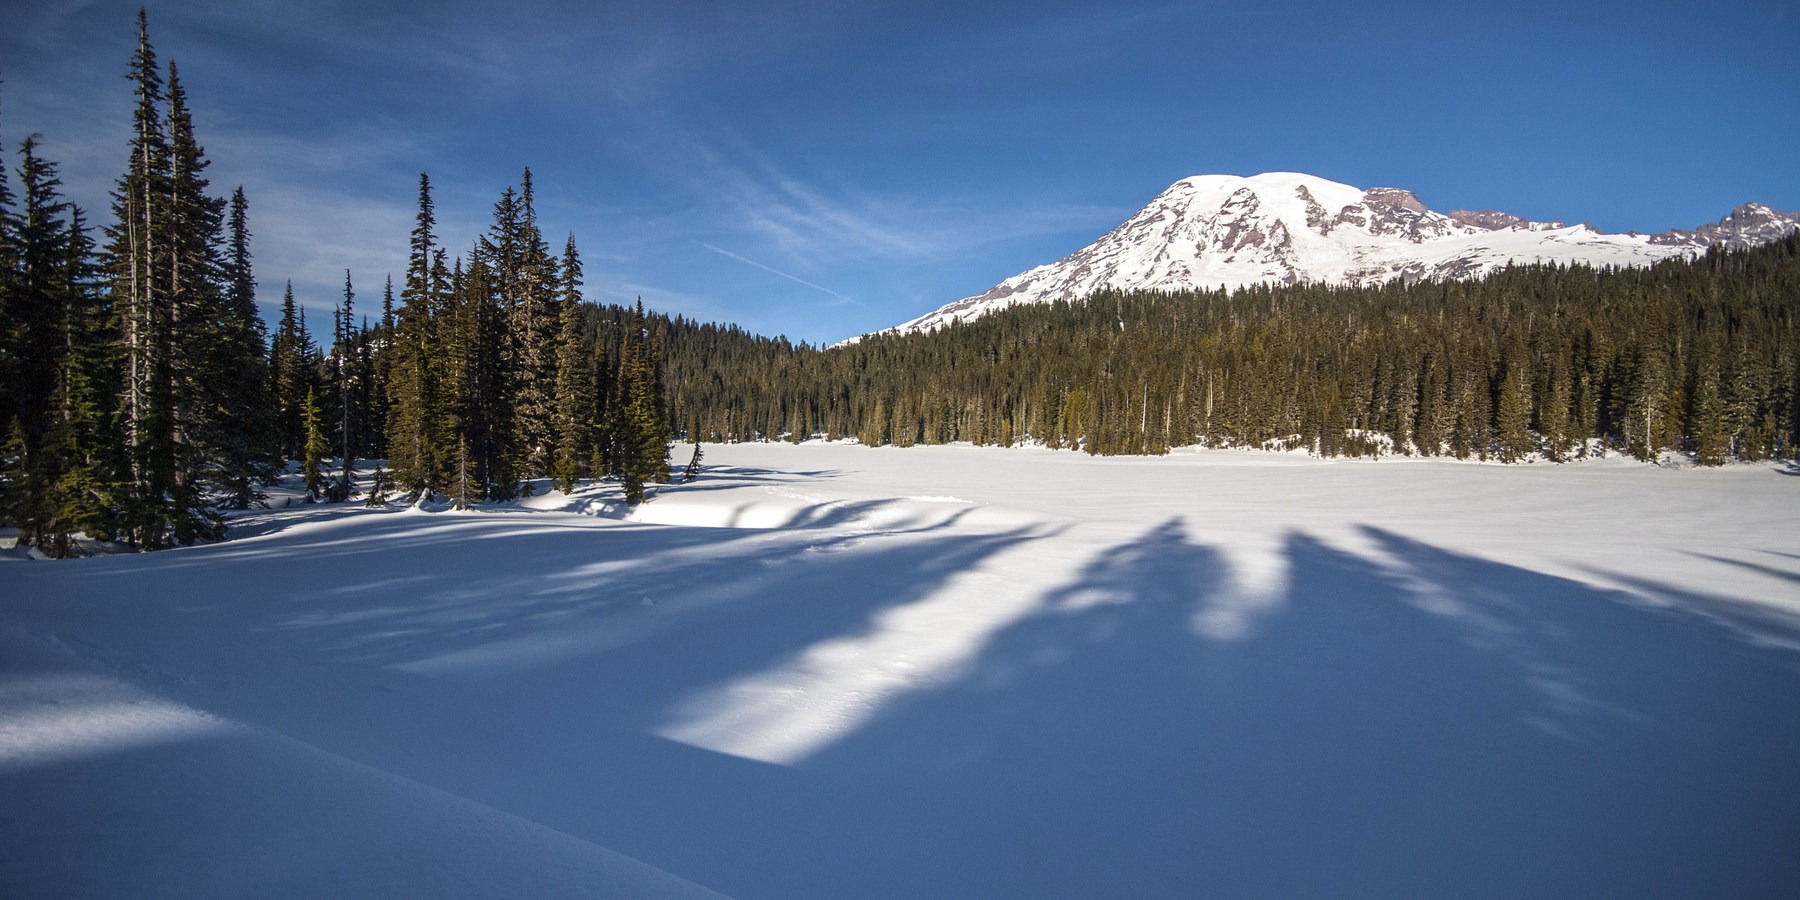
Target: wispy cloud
column 311, row 236
column 801, row 218
column 823, row 222
column 774, row 271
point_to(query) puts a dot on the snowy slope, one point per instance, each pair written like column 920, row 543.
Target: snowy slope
column 834, row 671
column 1284, row 228
column 114, row 791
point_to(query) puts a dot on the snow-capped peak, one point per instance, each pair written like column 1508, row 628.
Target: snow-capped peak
column 1283, row 228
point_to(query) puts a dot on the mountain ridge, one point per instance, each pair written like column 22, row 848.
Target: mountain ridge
column 1286, row 228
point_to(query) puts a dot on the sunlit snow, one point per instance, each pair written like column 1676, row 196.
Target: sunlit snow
column 837, row 671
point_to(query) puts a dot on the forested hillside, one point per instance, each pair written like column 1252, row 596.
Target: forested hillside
column 1561, row 362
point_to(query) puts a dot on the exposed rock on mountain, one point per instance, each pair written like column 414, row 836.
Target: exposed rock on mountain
column 1283, row 228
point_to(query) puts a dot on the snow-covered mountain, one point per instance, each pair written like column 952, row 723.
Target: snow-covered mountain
column 1287, row 228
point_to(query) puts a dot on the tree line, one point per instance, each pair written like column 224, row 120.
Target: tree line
column 142, row 395
column 1533, row 362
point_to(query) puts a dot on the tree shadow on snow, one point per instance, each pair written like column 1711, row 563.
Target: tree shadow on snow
column 1426, row 724
column 1413, row 722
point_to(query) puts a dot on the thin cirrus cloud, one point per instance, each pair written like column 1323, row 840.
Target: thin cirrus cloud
column 812, row 223
column 772, row 270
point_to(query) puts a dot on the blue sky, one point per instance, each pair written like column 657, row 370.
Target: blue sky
column 822, row 169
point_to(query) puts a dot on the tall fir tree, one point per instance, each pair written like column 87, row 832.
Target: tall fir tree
column 533, row 325
column 246, row 432
column 137, row 251
column 484, row 399
column 203, row 434
column 312, row 457
column 36, row 291
column 1707, row 417
column 1513, row 441
column 644, row 434
column 414, row 437
column 577, row 381
column 344, row 363
column 290, row 375
column 381, row 367
column 10, row 326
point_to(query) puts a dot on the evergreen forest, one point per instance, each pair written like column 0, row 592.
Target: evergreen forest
column 1534, row 362
column 142, row 394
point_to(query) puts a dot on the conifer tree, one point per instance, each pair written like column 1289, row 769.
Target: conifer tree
column 208, row 442
column 1707, row 424
column 1512, row 416
column 577, row 383
column 290, row 375
column 344, row 364
column 1555, row 413
column 529, row 295
column 644, row 431
column 313, row 456
column 414, row 373
column 381, row 368
column 37, row 292
column 137, row 252
column 239, row 365
column 481, row 423
column 12, row 454
column 462, row 488
column 9, row 255
column 1643, row 395
column 81, row 441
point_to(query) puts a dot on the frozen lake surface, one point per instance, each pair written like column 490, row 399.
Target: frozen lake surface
column 832, row 671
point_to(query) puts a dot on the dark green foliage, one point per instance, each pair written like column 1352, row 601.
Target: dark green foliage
column 578, row 365
column 643, row 431
column 290, row 376
column 312, row 458
column 350, row 368
column 239, row 369
column 1696, row 356
column 414, row 436
column 140, row 404
column 137, row 253
column 498, row 373
column 528, row 285
column 190, row 355
column 480, row 420
column 59, row 470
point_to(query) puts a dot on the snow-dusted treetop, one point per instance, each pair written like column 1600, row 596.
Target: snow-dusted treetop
column 1287, row 228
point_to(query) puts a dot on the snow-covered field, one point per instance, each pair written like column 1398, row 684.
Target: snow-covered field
column 831, row 671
